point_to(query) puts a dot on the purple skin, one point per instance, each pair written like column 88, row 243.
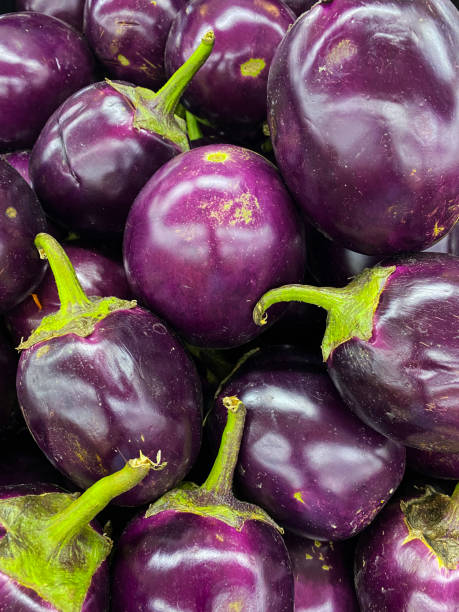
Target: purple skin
column 129, row 37
column 94, row 191
column 20, row 162
column 70, row 11
column 32, row 88
column 219, row 228
column 322, row 577
column 403, row 381
column 363, row 109
column 316, row 468
column 127, row 386
column 436, row 465
column 20, row 266
column 334, row 266
column 98, row 275
column 214, row 566
column 231, row 88
column 395, row 572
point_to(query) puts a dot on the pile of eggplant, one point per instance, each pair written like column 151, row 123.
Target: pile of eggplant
column 229, row 291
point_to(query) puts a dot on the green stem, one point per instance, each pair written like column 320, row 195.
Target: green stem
column 70, row 521
column 452, row 515
column 192, row 127
column 220, row 479
column 70, row 292
column 169, row 95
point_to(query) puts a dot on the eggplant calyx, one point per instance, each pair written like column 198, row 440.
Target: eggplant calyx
column 215, row 498
column 155, row 111
column 78, row 314
column 49, row 545
column 433, row 518
column 350, row 309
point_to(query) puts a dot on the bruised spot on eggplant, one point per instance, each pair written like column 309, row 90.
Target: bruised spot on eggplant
column 253, row 67
column 11, row 212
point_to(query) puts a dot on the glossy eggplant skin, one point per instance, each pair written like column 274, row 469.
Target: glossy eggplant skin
column 363, row 108
column 315, row 468
column 321, row 573
column 215, row 567
column 22, row 218
column 231, row 87
column 220, row 229
column 129, row 37
column 20, row 162
column 93, row 191
column 32, row 88
column 126, row 387
column 394, row 574
column 70, row 11
column 403, row 381
column 98, row 274
column 436, row 465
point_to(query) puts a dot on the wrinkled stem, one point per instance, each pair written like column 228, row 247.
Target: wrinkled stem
column 220, row 479
column 69, row 289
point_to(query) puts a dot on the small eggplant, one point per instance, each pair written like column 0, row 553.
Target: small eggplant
column 198, row 548
column 408, row 559
column 22, row 218
column 120, row 382
column 220, row 228
column 70, row 11
column 305, row 458
column 42, row 62
column 52, row 559
column 391, row 347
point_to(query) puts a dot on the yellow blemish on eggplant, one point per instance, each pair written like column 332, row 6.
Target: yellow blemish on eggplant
column 219, row 537
column 238, row 211
column 308, row 556
column 36, row 301
column 217, row 157
column 327, row 568
column 11, row 212
column 438, row 229
column 235, row 606
column 317, row 544
column 340, row 53
column 123, row 60
column 298, row 496
column 253, row 67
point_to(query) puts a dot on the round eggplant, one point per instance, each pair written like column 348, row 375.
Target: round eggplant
column 313, row 465
column 42, row 62
column 198, row 548
column 70, row 11
column 434, row 464
column 102, row 145
column 220, row 228
column 390, row 346
column 120, row 382
column 363, row 110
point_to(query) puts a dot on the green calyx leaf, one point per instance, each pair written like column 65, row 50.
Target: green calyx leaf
column 61, row 576
column 350, row 309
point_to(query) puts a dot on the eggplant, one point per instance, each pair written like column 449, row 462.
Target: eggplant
column 120, row 381
column 231, row 88
column 98, row 275
column 129, row 37
column 220, row 228
column 20, row 266
column 42, row 62
column 389, row 347
column 198, row 548
column 305, row 458
column 70, row 11
column 434, row 464
column 102, row 145
column 409, row 557
column 51, row 557
column 363, row 110
column 20, row 162
column 323, row 581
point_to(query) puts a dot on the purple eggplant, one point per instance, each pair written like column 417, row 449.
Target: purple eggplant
column 70, row 11
column 219, row 228
column 323, row 581
column 231, row 88
column 102, row 145
column 52, row 558
column 198, row 548
column 129, row 37
column 305, row 458
column 120, row 382
column 42, row 62
column 434, row 464
column 391, row 346
column 409, row 557
column 20, row 162
column 20, row 266
column 98, row 275
column 363, row 109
